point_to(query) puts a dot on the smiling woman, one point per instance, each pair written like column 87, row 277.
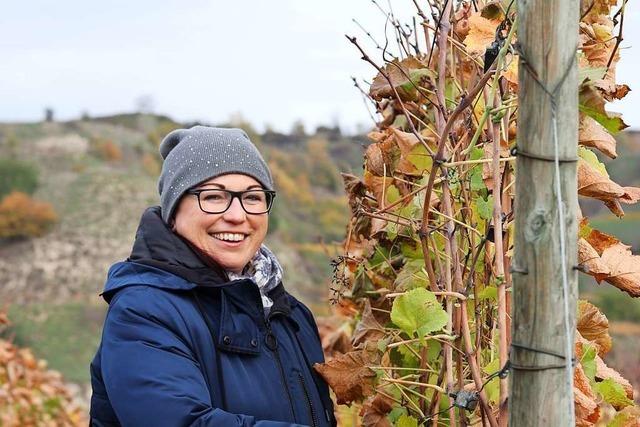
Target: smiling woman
column 200, row 330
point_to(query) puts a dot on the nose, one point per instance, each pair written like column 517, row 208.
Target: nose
column 235, row 213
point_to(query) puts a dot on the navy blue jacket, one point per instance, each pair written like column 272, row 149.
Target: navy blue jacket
column 184, row 346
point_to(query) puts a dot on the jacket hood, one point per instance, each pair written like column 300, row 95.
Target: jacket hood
column 162, row 259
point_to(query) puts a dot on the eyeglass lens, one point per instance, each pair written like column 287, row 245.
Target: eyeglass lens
column 217, row 201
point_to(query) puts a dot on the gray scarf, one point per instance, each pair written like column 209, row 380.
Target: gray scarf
column 265, row 270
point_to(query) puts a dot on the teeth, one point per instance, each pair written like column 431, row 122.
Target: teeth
column 231, row 237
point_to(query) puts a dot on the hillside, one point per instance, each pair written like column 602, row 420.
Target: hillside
column 101, row 174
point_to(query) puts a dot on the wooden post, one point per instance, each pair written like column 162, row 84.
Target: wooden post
column 547, row 34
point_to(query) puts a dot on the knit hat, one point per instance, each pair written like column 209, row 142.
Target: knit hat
column 195, row 155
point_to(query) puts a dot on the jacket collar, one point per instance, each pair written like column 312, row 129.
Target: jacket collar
column 158, row 246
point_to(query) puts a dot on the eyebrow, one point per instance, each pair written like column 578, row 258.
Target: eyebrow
column 224, row 188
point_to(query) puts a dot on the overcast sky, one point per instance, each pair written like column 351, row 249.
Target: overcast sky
column 272, row 61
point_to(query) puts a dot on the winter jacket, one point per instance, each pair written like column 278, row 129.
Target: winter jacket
column 184, row 346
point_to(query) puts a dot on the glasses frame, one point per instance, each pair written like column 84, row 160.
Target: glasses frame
column 271, row 195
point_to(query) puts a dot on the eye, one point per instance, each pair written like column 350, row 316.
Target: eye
column 213, row 196
column 254, row 197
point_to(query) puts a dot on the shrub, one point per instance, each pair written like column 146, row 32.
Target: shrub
column 22, row 216
column 17, row 176
column 107, row 150
column 150, row 164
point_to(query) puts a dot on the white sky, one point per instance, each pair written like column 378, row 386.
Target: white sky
column 273, row 61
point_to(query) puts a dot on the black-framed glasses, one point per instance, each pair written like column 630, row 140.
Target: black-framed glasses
column 216, row 201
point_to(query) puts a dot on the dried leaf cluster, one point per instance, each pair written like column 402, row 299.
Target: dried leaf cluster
column 30, row 394
column 422, row 285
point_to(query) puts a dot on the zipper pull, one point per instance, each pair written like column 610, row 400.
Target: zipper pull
column 271, row 341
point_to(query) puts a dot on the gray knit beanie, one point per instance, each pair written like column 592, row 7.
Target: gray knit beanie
column 195, row 155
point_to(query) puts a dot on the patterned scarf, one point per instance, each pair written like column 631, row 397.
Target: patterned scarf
column 265, row 270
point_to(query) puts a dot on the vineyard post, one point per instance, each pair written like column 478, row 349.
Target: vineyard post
column 541, row 388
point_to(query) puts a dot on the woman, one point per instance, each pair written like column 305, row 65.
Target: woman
column 200, row 331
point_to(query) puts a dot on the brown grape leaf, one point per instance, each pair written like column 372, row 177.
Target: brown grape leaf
column 355, row 189
column 623, row 265
column 600, row 241
column 368, row 328
column 624, row 268
column 589, row 258
column 349, row 376
column 398, row 72
column 381, row 156
column 586, row 408
column 592, row 183
column 374, row 411
column 482, row 32
column 374, row 160
column 591, row 134
column 594, row 326
column 378, row 186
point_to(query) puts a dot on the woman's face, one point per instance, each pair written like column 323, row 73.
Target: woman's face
column 206, row 231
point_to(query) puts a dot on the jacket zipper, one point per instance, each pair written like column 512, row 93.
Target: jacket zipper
column 270, row 333
column 314, row 419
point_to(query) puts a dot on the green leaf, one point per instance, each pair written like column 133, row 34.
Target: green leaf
column 451, row 93
column 492, row 388
column 400, row 121
column 382, row 344
column 610, row 121
column 489, row 292
column 411, row 275
column 485, row 207
column 613, row 393
column 591, row 158
column 392, row 194
column 396, row 413
column 392, row 230
column 406, row 421
column 477, row 183
column 588, row 361
column 420, row 158
column 476, row 153
column 412, row 250
column 585, row 230
column 415, row 76
column 409, row 359
column 418, row 312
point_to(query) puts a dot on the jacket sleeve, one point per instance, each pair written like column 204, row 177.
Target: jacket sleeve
column 150, row 375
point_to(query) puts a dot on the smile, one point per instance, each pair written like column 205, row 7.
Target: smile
column 229, row 237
